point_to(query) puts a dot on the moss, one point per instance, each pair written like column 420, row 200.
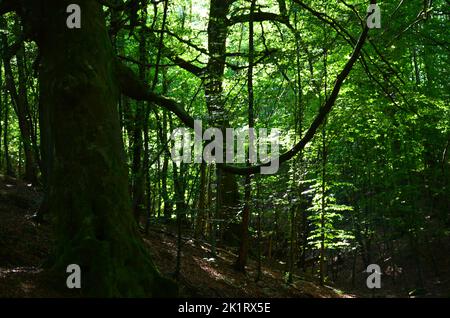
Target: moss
column 88, row 192
column 114, row 272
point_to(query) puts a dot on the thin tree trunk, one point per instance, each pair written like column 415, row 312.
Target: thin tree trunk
column 139, row 118
column 8, row 165
column 1, row 106
column 259, row 236
column 241, row 262
column 292, row 236
column 164, row 191
column 20, row 100
column 201, row 206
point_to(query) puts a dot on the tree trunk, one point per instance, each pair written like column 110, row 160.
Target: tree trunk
column 8, row 165
column 241, row 261
column 1, row 106
column 89, row 185
column 201, row 206
column 323, row 209
column 20, row 100
column 139, row 117
column 259, row 234
column 164, row 192
column 23, row 113
column 217, row 35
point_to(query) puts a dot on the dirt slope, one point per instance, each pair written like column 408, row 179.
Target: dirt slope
column 25, row 245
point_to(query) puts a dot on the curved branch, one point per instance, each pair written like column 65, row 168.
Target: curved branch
column 260, row 17
column 318, row 121
column 132, row 86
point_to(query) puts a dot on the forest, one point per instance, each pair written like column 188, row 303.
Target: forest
column 224, row 148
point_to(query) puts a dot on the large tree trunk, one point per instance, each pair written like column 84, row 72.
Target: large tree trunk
column 89, row 184
column 227, row 191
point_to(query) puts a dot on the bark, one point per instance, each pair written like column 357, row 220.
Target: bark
column 1, row 104
column 259, row 234
column 168, row 206
column 138, row 129
column 241, row 262
column 292, row 242
column 201, row 206
column 8, row 166
column 227, row 189
column 47, row 154
column 89, row 184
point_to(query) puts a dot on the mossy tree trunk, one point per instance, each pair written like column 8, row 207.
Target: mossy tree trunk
column 227, row 188
column 89, row 183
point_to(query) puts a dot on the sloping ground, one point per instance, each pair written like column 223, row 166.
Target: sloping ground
column 401, row 275
column 24, row 246
column 204, row 276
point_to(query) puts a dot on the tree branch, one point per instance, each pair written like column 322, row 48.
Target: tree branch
column 260, row 17
column 132, row 86
column 318, row 121
column 171, row 55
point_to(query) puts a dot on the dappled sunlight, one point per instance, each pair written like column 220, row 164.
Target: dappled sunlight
column 224, row 148
column 208, row 269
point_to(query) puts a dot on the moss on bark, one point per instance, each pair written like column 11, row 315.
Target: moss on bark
column 88, row 190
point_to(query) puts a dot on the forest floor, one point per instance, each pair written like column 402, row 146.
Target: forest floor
column 25, row 245
column 204, row 276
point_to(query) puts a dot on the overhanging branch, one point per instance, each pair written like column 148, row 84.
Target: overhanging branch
column 132, row 86
column 318, row 121
column 260, row 17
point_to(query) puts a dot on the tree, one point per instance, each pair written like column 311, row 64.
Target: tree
column 243, row 248
column 88, row 188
